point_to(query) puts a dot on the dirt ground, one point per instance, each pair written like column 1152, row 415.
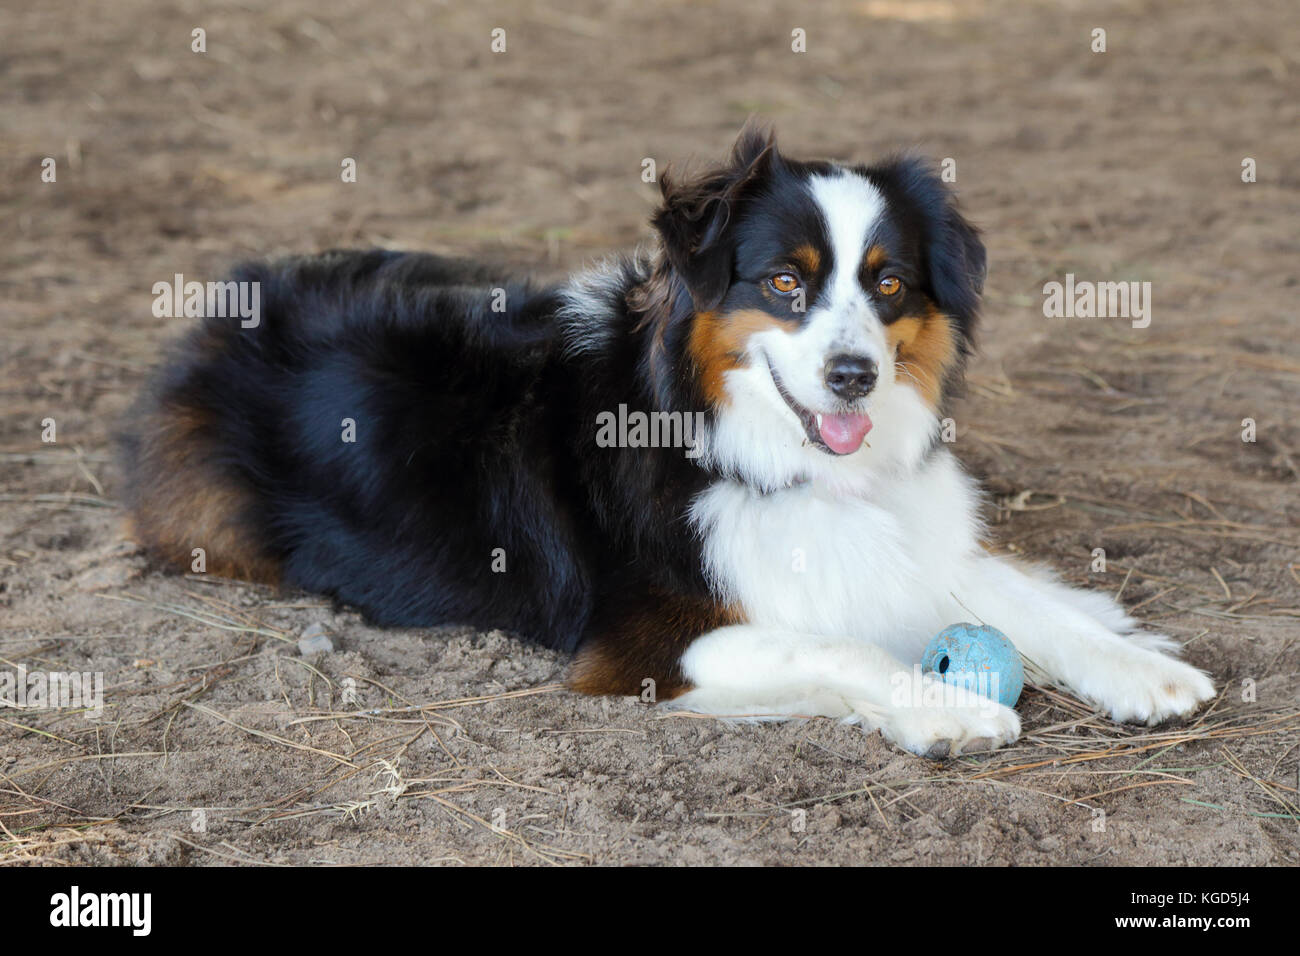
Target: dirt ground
column 220, row 743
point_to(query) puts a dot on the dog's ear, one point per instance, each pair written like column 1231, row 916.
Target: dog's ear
column 954, row 253
column 698, row 212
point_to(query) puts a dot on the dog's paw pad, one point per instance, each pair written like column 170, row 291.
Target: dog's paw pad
column 1154, row 689
column 938, row 733
column 939, row 751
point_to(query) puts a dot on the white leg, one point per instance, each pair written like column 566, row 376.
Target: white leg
column 1085, row 642
column 759, row 673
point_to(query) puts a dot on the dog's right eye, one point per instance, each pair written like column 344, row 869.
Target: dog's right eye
column 785, row 283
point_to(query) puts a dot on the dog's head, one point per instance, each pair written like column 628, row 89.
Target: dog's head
column 824, row 311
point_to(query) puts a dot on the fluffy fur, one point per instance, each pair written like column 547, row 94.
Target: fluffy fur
column 795, row 561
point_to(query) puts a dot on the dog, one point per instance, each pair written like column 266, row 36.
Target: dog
column 434, row 442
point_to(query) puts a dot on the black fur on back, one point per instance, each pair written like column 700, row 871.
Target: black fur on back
column 475, row 431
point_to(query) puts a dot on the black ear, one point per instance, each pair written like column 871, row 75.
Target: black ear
column 954, row 254
column 697, row 211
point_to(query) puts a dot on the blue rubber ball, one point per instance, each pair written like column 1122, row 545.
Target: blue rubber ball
column 979, row 658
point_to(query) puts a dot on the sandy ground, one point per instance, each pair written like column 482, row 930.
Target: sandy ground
column 220, row 743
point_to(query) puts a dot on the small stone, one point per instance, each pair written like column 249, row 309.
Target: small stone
column 314, row 640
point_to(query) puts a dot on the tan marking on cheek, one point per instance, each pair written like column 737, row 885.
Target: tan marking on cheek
column 718, row 344
column 808, row 260
column 925, row 347
column 876, row 257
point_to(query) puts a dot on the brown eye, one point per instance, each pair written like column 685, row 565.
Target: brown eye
column 784, row 282
column 890, row 285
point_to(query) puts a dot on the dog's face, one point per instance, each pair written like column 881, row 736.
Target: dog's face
column 830, row 307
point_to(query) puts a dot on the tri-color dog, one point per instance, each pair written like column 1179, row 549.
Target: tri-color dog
column 421, row 438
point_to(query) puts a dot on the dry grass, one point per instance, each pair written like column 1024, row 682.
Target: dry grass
column 1065, row 746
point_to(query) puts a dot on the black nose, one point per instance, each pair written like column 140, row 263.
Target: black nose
column 850, row 376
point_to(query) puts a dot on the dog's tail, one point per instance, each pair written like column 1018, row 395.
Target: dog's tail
column 187, row 501
column 188, row 448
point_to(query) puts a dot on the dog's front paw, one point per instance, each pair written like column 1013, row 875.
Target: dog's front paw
column 1148, row 687
column 968, row 724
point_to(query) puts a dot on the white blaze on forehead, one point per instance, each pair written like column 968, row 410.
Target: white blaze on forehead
column 851, row 207
column 844, row 319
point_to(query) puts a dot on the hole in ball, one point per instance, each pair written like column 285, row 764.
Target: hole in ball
column 943, row 664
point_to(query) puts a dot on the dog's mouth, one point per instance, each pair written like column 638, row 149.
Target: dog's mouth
column 839, row 434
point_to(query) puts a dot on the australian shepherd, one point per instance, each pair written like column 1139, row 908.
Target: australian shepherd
column 711, row 469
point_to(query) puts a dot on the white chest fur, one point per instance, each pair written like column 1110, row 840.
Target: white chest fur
column 881, row 566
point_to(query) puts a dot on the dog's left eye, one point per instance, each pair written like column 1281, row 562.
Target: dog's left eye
column 784, row 282
column 889, row 285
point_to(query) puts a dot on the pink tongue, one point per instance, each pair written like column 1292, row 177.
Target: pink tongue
column 843, row 434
